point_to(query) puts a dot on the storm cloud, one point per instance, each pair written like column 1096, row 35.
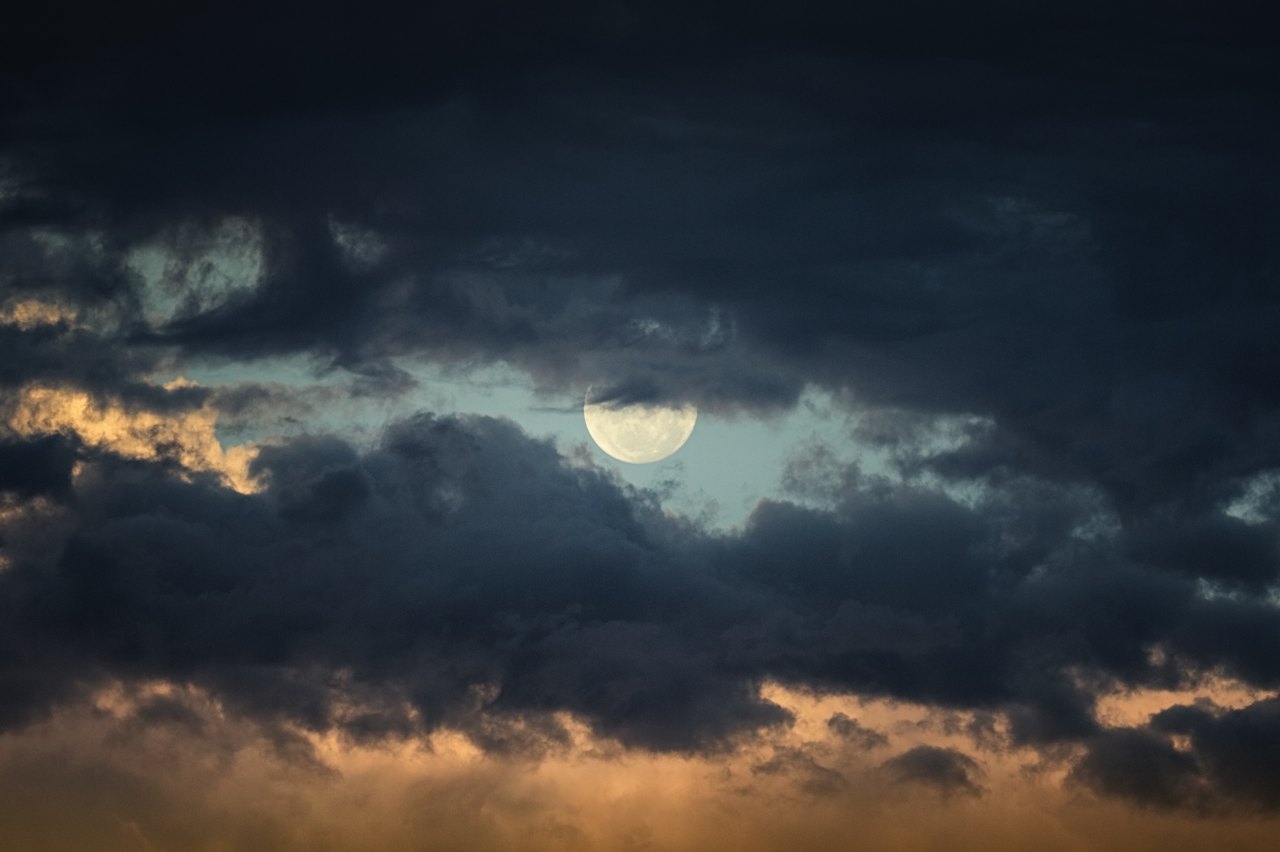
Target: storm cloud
column 1030, row 252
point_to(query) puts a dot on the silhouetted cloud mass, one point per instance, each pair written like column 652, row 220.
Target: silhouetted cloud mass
column 947, row 770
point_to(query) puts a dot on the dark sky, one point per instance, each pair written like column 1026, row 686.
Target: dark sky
column 1057, row 224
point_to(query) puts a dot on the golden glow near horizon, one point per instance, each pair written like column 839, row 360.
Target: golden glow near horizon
column 801, row 787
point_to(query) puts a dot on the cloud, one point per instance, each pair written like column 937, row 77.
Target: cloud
column 811, row 777
column 1236, row 749
column 32, row 314
column 947, row 770
column 726, row 232
column 575, row 605
column 1199, row 756
column 461, row 574
column 853, row 731
column 1142, row 767
column 36, row 467
column 459, row 555
column 187, row 438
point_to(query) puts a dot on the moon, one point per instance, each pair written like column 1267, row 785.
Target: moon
column 639, row 434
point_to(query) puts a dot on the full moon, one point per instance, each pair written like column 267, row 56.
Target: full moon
column 639, row 434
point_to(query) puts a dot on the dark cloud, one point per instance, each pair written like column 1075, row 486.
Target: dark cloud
column 949, row 771
column 809, row 775
column 906, row 206
column 1226, row 761
column 466, row 570
column 1218, row 547
column 457, row 560
column 855, row 732
column 1238, row 750
column 1142, row 767
column 37, row 467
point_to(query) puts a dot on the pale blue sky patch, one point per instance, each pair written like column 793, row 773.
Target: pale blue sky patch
column 189, row 269
column 727, row 467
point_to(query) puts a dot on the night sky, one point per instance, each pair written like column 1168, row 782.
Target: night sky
column 304, row 544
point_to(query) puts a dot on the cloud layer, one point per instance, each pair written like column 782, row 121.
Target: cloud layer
column 1031, row 253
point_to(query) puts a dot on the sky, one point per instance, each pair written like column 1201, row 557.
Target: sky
column 304, row 544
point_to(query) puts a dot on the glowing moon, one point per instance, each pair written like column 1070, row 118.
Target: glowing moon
column 639, row 434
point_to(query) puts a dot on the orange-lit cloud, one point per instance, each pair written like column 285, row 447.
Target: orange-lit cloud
column 185, row 437
column 29, row 314
column 1129, row 707
column 159, row 765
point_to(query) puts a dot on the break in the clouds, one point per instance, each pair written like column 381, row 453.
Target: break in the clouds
column 1028, row 256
